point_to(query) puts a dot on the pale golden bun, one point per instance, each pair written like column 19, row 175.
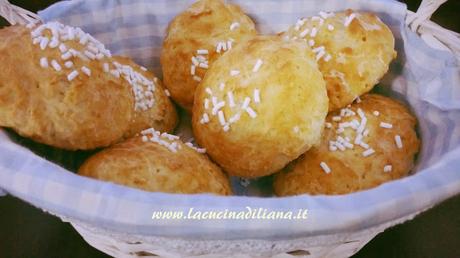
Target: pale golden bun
column 286, row 122
column 360, row 53
column 350, row 171
column 153, row 167
column 202, row 26
column 163, row 116
column 85, row 112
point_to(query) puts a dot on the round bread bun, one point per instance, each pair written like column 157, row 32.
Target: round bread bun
column 157, row 163
column 353, row 49
column 329, row 170
column 210, row 25
column 260, row 106
column 163, row 116
column 71, row 93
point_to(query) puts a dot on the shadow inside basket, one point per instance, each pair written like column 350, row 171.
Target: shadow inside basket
column 70, row 160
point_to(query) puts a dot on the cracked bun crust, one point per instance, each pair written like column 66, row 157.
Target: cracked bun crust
column 354, row 50
column 210, row 25
column 376, row 159
column 260, row 106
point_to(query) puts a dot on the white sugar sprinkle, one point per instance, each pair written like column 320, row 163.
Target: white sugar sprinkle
column 86, row 70
column 55, row 65
column 325, row 167
column 192, row 69
column 234, row 25
column 206, row 103
column 368, row 152
column 221, row 86
column 89, row 54
column 256, row 96
column 251, row 112
column 208, row 90
column 203, row 65
column 311, row 42
column 349, row 19
column 217, row 107
column 197, row 78
column 296, row 129
column 313, row 32
column 376, row 113
column 68, row 64
column 195, row 61
column 398, row 141
column 257, row 65
column 229, row 44
column 202, row 52
column 304, row 33
column 336, row 118
column 66, row 55
column 327, row 57
column 231, row 100
column 54, row 43
column 44, row 62
column 72, row 75
column 246, row 102
column 387, row 168
column 205, row 117
column 386, row 125
column 167, row 93
column 318, row 49
column 44, row 43
column 221, row 117
column 330, row 27
column 62, row 48
column 328, row 125
column 214, row 100
column 234, row 72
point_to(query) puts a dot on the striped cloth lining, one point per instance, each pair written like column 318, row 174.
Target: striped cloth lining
column 427, row 79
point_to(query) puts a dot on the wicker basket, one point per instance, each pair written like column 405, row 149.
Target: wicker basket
column 322, row 245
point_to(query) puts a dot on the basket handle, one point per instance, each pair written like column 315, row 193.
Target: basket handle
column 434, row 35
column 17, row 15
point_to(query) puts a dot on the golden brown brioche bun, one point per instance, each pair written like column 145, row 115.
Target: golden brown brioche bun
column 171, row 167
column 351, row 170
column 163, row 116
column 203, row 26
column 252, row 138
column 70, row 93
column 358, row 48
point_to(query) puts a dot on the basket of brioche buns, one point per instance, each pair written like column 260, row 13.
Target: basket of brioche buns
column 216, row 128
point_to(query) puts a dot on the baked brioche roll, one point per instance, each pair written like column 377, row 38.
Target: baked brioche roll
column 158, row 163
column 363, row 146
column 353, row 50
column 260, row 106
column 61, row 87
column 197, row 37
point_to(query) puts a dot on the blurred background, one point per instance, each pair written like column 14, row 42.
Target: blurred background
column 29, row 232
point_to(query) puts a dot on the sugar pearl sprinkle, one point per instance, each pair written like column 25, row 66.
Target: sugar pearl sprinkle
column 357, row 121
column 387, row 168
column 233, row 106
column 325, row 167
column 54, row 35
column 169, row 141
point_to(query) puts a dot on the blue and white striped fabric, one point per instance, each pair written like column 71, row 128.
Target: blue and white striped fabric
column 427, row 79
